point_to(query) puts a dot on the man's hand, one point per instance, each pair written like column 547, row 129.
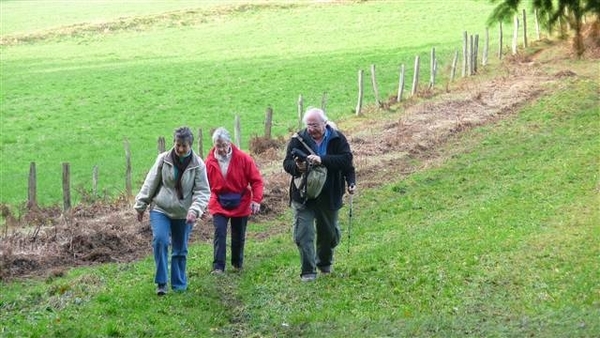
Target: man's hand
column 301, row 165
column 314, row 159
column 254, row 208
column 140, row 216
column 352, row 188
column 191, row 217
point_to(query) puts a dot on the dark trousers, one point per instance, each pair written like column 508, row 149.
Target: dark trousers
column 238, row 239
column 310, row 221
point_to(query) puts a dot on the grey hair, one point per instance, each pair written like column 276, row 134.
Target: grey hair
column 221, row 134
column 314, row 112
column 183, row 134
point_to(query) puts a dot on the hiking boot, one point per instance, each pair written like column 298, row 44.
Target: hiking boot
column 161, row 290
column 308, row 277
column 325, row 270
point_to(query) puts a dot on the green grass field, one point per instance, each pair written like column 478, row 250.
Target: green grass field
column 499, row 241
column 127, row 72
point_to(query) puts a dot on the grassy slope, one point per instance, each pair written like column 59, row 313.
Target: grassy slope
column 499, row 240
column 76, row 98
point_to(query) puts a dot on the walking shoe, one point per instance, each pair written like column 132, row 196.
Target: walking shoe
column 237, row 269
column 216, row 272
column 161, row 290
column 309, row 277
column 325, row 270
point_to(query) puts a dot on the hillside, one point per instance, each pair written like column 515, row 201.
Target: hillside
column 388, row 145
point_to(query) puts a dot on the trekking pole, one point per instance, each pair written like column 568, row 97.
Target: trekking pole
column 350, row 221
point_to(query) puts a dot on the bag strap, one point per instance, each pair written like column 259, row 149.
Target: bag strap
column 305, row 145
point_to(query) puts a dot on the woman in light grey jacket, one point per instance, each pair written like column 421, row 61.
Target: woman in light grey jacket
column 178, row 186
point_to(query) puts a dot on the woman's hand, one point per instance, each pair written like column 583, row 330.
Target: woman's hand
column 254, row 207
column 191, row 217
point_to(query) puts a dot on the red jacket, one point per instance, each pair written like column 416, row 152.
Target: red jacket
column 243, row 176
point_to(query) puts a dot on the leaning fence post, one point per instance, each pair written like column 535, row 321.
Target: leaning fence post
column 453, row 69
column 374, row 84
column 400, row 84
column 66, row 186
column 32, row 187
column 415, row 77
column 300, row 111
column 360, row 92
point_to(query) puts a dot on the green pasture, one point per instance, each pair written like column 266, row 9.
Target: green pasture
column 86, row 76
column 500, row 240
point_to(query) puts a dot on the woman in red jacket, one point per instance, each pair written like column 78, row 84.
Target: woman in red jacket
column 236, row 192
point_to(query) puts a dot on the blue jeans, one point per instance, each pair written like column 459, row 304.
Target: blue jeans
column 176, row 232
column 238, row 239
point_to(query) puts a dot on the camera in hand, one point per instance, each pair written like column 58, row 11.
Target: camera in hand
column 299, row 154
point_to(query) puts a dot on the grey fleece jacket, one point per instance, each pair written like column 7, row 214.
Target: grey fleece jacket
column 159, row 187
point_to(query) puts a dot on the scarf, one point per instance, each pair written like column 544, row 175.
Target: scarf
column 180, row 164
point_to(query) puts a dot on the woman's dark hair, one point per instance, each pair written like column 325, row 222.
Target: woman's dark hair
column 183, row 134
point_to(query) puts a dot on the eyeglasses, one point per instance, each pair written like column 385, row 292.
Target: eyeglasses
column 314, row 125
column 222, row 145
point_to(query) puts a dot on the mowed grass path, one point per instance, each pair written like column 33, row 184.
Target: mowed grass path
column 76, row 98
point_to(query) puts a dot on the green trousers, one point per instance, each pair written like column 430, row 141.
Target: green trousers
column 315, row 223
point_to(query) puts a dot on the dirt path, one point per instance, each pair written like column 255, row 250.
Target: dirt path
column 385, row 144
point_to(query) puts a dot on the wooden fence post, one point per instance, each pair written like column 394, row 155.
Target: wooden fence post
column 268, row 122
column 127, row 168
column 475, row 52
column 470, row 53
column 537, row 24
column 415, row 83
column 238, row 132
column 200, row 143
column 486, row 47
column 300, row 110
column 524, row 29
column 515, row 35
column 400, row 84
column 453, row 69
column 324, row 101
column 95, row 173
column 500, row 41
column 32, row 187
column 66, row 186
column 465, row 54
column 161, row 144
column 360, row 92
column 374, row 83
column 432, row 64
